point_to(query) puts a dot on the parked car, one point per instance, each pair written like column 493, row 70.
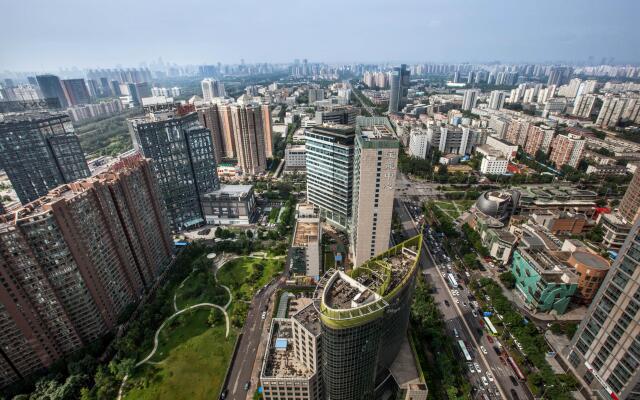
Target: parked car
column 483, row 349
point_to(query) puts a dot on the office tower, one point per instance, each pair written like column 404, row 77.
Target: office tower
column 210, row 119
column 456, row 77
column 605, row 350
column 343, row 115
column 183, row 162
column 470, row 99
column 94, row 90
column 114, row 86
column 39, row 151
column 375, row 162
column 137, row 91
column 399, row 82
column 211, row 89
column 249, row 138
column 611, row 111
column 496, row 100
column 72, row 261
column 51, row 88
column 567, row 150
column 75, row 91
column 267, row 130
column 329, row 165
column 364, row 321
column 584, row 105
column 315, row 95
column 32, row 80
column 630, row 204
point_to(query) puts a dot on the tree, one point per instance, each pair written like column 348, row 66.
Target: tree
column 508, row 280
column 249, row 234
column 121, row 368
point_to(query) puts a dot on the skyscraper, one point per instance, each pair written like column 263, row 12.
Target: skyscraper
column 211, row 89
column 39, row 151
column 329, row 165
column 496, row 100
column 249, row 138
column 183, row 162
column 399, row 82
column 267, row 130
column 71, row 262
column 210, row 118
column 228, row 134
column 630, row 204
column 51, row 88
column 470, row 99
column 605, row 350
column 75, row 91
column 611, row 111
column 375, row 163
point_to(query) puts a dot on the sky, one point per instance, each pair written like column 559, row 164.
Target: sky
column 41, row 35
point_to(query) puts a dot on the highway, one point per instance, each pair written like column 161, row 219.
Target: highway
column 459, row 318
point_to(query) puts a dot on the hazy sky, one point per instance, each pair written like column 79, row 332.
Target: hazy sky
column 49, row 34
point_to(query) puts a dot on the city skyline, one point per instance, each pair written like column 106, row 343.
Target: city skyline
column 577, row 31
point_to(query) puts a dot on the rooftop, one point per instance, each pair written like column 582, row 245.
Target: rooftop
column 280, row 360
column 309, row 318
column 549, row 267
column 306, row 231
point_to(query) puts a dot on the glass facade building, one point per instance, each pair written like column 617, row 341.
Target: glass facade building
column 183, row 162
column 399, row 84
column 329, row 164
column 39, row 152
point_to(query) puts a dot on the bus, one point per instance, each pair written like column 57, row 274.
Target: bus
column 490, row 326
column 515, row 368
column 452, row 281
column 463, row 348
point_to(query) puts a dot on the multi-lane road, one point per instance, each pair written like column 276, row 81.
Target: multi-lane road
column 459, row 318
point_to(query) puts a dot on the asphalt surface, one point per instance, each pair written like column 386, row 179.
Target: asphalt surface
column 459, row 318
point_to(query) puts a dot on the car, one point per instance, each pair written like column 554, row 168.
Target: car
column 446, row 303
column 264, row 315
column 487, row 298
column 248, row 384
column 477, row 367
column 484, row 381
column 496, row 349
column 457, row 301
column 471, row 369
column 483, row 349
column 489, row 376
column 224, row 393
column 490, row 338
column 467, row 274
column 455, row 333
column 474, row 313
column 464, row 304
column 514, row 394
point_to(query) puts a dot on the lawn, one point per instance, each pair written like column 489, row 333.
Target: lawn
column 200, row 288
column 190, row 363
column 245, row 275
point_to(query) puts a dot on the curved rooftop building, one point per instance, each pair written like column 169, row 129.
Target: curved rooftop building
column 591, row 270
column 498, row 204
column 364, row 316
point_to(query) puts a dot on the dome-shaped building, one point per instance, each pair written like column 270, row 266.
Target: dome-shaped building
column 498, row 204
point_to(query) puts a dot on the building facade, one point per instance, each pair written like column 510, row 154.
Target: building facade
column 399, row 84
column 630, row 204
column 51, row 88
column 249, row 138
column 72, row 261
column 39, row 151
column 230, row 205
column 567, row 150
column 75, row 91
column 329, row 164
column 605, row 351
column 183, row 162
column 375, row 164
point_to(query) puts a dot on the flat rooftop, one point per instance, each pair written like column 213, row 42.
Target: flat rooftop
column 280, row 360
column 231, row 190
column 549, row 267
column 309, row 318
column 377, row 132
column 307, row 230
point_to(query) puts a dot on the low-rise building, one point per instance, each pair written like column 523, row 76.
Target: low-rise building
column 229, row 205
column 560, row 222
column 607, row 170
column 507, row 149
column 305, row 247
column 295, row 158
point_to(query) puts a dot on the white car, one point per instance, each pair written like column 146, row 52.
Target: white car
column 483, row 350
column 474, row 313
column 457, row 301
column 477, row 366
column 264, row 315
column 489, row 376
column 471, row 369
column 484, row 381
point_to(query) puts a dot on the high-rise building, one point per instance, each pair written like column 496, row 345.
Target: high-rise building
column 496, row 100
column 470, row 99
column 329, row 165
column 630, row 204
column 72, row 261
column 212, row 88
column 418, row 143
column 567, row 150
column 315, row 95
column 611, row 111
column 364, row 321
column 183, row 162
column 39, row 151
column 228, row 134
column 538, row 138
column 559, row 75
column 249, row 138
column 137, row 91
column 267, row 130
column 399, row 83
column 343, row 115
column 605, row 350
column 210, row 118
column 584, row 105
column 51, row 88
column 75, row 91
column 375, row 162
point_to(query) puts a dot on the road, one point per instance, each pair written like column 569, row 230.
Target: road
column 458, row 315
column 360, row 97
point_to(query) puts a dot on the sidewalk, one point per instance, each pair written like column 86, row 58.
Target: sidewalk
column 257, row 365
